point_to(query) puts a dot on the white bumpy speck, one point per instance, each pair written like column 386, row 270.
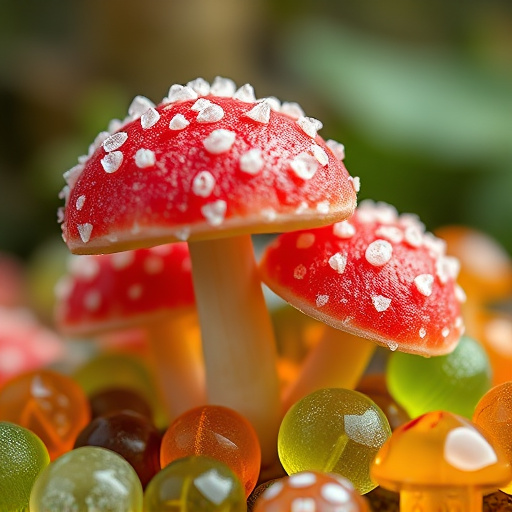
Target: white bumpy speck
column 335, row 494
column 200, row 86
column 337, row 148
column 112, row 161
column 344, row 229
column 145, row 158
column 292, row 109
column 115, row 141
column 309, row 125
column 219, row 141
column 338, row 262
column 391, row 233
column 203, row 184
column 80, row 202
column 321, row 300
column 215, row 212
column 71, row 176
column 85, row 231
column 223, row 87
column 200, row 104
column 304, row 166
column 179, row 92
column 245, row 93
column 320, row 154
column 139, row 105
column 251, row 162
column 211, row 114
column 356, row 183
column 178, row 122
column 260, row 113
column 378, row 253
column 381, row 303
column 149, row 118
column 424, row 283
column 299, row 272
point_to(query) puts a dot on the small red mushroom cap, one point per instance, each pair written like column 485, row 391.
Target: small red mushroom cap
column 125, row 289
column 377, row 275
column 209, row 161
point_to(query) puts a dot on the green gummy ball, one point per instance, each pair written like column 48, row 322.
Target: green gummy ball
column 454, row 382
column 22, row 458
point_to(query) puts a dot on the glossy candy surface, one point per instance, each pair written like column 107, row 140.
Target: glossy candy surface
column 217, row 432
column 196, row 483
column 50, row 404
column 87, row 479
column 22, row 457
column 493, row 414
column 333, row 430
column 454, row 382
column 311, row 491
column 129, row 434
column 115, row 399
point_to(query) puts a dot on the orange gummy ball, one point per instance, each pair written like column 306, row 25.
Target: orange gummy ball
column 51, row 405
column 217, row 432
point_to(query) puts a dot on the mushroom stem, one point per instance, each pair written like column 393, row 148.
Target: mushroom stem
column 337, row 361
column 177, row 359
column 237, row 335
column 468, row 499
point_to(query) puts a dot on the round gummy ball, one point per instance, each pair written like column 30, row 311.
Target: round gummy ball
column 333, row 430
column 453, row 383
column 22, row 457
column 86, row 479
column 196, row 483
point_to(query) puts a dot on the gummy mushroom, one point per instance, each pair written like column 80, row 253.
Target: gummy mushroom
column 377, row 276
column 212, row 165
column 440, row 461
column 148, row 288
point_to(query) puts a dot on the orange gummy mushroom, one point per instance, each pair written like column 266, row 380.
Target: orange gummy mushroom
column 440, row 461
column 211, row 165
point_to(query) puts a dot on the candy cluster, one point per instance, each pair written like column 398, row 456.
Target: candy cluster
column 195, row 393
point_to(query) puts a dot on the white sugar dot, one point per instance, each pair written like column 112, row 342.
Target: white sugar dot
column 139, row 105
column 378, row 253
column 323, row 207
column 299, row 272
column 135, row 291
column 115, row 141
column 179, row 92
column 85, row 231
column 303, row 505
column 447, row 267
column 200, row 104
column 178, row 122
column 121, row 260
column 153, row 264
column 210, row 114
column 391, row 233
column 467, row 450
column 223, row 87
column 275, row 103
column 149, row 118
column 305, row 240
column 71, row 176
column 292, row 109
column 422, row 332
column 320, row 154
column 304, row 166
column 144, row 158
column 321, row 300
column 335, row 494
column 269, row 214
column 80, row 202
column 260, row 113
column 245, row 93
column 424, row 284
column 219, row 141
column 445, row 332
column 309, row 125
column 112, row 161
column 182, row 234
column 200, row 86
column 92, row 300
column 337, row 148
column 344, row 229
column 381, row 303
column 214, row 212
column 273, row 490
column 301, row 480
column 356, row 183
column 460, row 294
column 203, row 184
column 338, row 262
column 413, row 236
column 251, row 162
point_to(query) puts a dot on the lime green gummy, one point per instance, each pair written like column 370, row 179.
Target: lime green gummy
column 22, row 457
column 454, row 382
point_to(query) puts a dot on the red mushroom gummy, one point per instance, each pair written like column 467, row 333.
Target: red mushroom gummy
column 377, row 275
column 212, row 165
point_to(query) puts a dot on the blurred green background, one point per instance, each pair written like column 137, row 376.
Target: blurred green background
column 420, row 93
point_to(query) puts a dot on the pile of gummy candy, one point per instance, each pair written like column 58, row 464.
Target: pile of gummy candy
column 166, row 380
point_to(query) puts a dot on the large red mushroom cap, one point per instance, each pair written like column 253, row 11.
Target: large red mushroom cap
column 208, row 162
column 378, row 275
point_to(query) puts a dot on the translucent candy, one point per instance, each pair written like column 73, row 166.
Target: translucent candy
column 333, row 430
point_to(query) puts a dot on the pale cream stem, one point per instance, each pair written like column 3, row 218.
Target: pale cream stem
column 238, row 338
column 337, row 361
